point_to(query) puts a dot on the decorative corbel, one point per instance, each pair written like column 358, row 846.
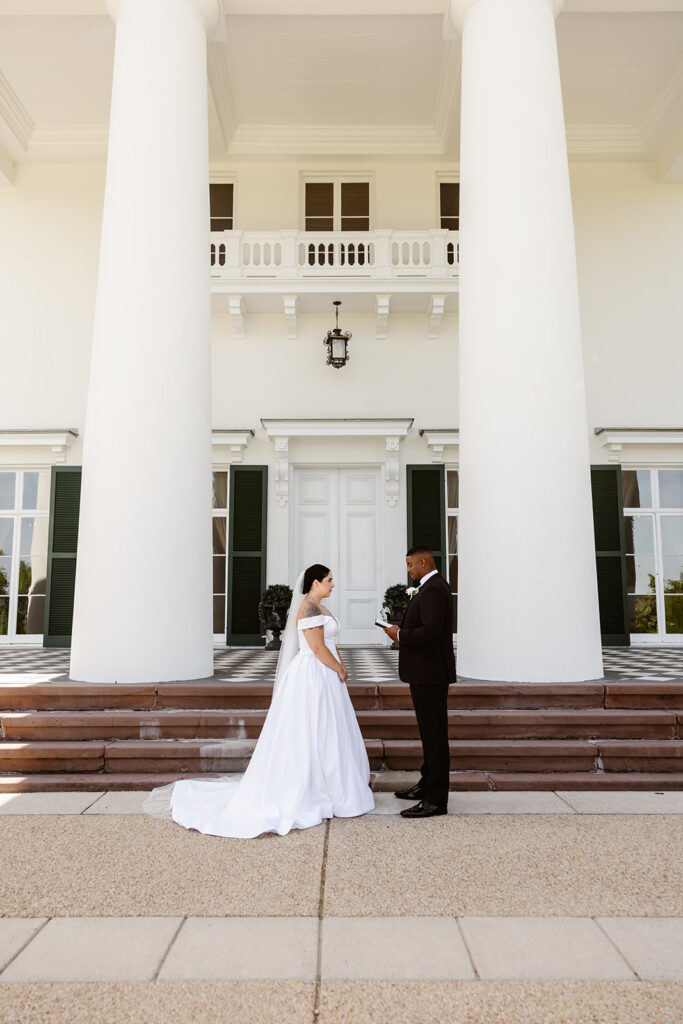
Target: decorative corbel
column 289, row 308
column 382, row 316
column 437, row 306
column 282, row 470
column 237, row 315
column 392, row 471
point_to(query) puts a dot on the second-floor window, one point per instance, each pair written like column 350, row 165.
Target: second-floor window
column 221, row 199
column 337, row 205
column 449, row 203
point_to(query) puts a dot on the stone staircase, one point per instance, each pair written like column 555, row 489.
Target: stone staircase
column 601, row 735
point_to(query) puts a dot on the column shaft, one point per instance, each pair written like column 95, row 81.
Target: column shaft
column 528, row 605
column 143, row 582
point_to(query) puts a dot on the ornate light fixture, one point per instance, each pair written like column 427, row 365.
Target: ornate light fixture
column 337, row 342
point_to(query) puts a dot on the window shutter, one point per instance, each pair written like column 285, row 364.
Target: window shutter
column 608, row 523
column 65, row 498
column 426, row 512
column 246, row 553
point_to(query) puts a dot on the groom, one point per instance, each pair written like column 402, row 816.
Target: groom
column 426, row 661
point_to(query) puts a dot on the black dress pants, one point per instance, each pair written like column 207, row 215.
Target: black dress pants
column 429, row 701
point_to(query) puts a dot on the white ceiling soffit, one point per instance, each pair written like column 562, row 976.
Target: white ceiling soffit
column 272, row 92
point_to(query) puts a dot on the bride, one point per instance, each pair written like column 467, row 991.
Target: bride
column 310, row 761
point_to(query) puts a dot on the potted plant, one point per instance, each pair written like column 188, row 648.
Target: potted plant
column 396, row 600
column 272, row 610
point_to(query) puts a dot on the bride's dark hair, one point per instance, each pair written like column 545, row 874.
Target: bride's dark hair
column 314, row 572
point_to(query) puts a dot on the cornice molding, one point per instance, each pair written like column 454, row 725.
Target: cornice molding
column 221, row 91
column 333, row 140
column 40, row 447
column 616, row 439
column 337, row 427
column 595, row 140
column 15, row 115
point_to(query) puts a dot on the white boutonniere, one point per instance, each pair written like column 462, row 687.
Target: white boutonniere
column 411, row 592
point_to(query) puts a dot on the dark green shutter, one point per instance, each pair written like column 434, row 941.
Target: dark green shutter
column 608, row 522
column 426, row 510
column 246, row 552
column 65, row 499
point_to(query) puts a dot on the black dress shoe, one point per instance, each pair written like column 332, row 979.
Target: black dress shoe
column 423, row 810
column 410, row 794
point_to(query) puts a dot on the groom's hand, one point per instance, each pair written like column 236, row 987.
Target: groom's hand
column 392, row 632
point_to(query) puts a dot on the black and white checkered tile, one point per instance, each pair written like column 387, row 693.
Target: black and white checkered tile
column 366, row 664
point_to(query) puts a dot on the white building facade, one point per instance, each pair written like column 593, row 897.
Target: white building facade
column 492, row 189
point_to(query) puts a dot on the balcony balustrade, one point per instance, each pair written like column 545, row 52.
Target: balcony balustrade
column 296, row 255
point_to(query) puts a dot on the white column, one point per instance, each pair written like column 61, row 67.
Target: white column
column 143, row 582
column 528, row 606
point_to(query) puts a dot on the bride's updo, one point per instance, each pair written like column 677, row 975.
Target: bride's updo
column 313, row 573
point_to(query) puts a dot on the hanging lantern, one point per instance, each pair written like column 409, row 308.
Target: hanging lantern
column 337, row 342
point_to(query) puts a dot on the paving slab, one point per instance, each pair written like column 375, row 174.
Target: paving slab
column 653, row 946
column 229, row 949
column 499, row 1002
column 145, row 865
column 669, row 802
column 123, row 802
column 507, row 803
column 46, row 803
column 95, row 949
column 509, row 865
column 181, row 1002
column 15, row 933
column 393, row 947
column 542, row 948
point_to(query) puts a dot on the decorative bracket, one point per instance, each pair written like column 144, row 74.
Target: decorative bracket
column 234, row 440
column 237, row 315
column 618, row 441
column 438, row 440
column 392, row 470
column 289, row 307
column 282, row 470
column 382, row 316
column 36, row 447
column 437, row 306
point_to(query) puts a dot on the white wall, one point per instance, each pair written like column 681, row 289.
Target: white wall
column 630, row 257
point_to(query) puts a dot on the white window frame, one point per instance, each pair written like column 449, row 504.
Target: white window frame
column 446, row 178
column 12, row 638
column 337, row 178
column 218, row 513
column 451, row 511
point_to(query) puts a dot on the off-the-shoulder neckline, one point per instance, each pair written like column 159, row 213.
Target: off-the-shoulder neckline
column 323, row 615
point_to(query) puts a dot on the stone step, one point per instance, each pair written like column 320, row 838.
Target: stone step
column 543, row 723
column 232, row 755
column 39, row 782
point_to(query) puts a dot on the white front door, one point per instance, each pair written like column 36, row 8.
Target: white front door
column 335, row 521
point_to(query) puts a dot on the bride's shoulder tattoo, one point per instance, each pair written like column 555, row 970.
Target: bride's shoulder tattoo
column 312, row 609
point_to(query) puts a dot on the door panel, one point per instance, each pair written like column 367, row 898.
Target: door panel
column 336, row 521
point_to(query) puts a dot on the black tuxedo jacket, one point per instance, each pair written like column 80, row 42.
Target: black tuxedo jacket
column 425, row 642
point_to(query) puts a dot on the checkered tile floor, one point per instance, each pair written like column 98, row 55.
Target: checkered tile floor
column 366, row 664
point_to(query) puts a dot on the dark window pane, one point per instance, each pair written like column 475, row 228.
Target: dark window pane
column 4, row 615
column 220, row 490
column 6, row 536
column 319, row 199
column 355, row 224
column 8, row 483
column 219, row 574
column 450, row 223
column 450, row 198
column 640, row 574
column 219, row 535
column 642, row 614
column 5, row 570
column 221, row 198
column 221, row 223
column 453, row 488
column 452, row 534
column 635, row 488
column 30, row 615
column 671, row 488
column 219, row 615
column 319, row 224
column 453, row 573
column 355, row 199
column 673, row 611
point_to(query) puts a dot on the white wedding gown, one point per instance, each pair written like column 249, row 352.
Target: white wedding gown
column 309, row 763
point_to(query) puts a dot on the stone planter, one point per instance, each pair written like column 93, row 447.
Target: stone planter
column 274, row 619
